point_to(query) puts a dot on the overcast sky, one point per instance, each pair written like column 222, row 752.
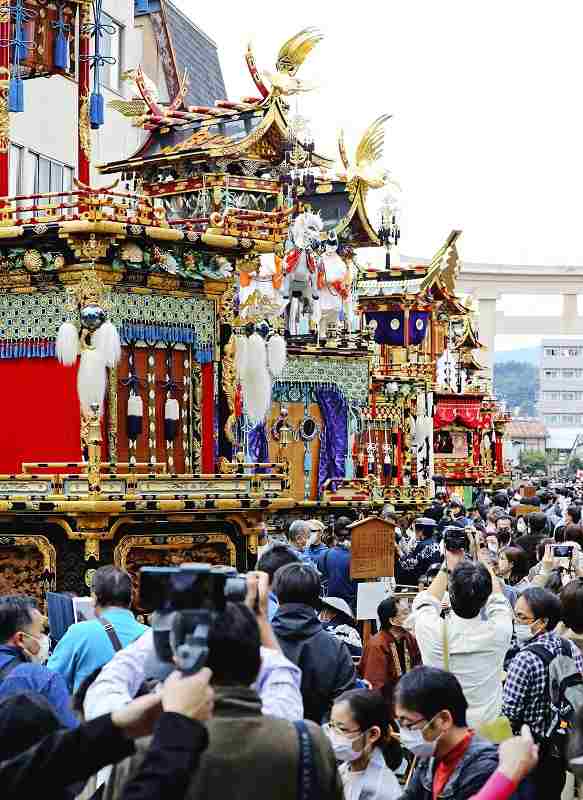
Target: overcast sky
column 487, row 131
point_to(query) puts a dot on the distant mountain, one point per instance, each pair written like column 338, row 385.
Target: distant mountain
column 516, row 382
column 529, row 354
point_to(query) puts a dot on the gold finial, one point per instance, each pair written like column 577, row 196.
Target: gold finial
column 89, row 290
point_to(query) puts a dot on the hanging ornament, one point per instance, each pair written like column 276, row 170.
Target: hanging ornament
column 255, row 379
column 276, row 354
column 61, row 54
column 99, row 349
column 21, row 19
column 387, row 464
column 171, row 418
column 97, row 29
column 135, row 418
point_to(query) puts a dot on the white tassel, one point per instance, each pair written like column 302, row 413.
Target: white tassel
column 276, row 354
column 91, row 380
column 172, row 409
column 171, row 417
column 67, row 344
column 135, row 420
column 255, row 379
column 258, row 399
column 240, row 354
column 135, row 406
column 106, row 340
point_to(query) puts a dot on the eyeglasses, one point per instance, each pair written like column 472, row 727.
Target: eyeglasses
column 409, row 725
column 334, row 726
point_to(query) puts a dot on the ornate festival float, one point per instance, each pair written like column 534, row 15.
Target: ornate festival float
column 193, row 348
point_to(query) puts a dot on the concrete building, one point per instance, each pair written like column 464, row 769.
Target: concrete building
column 526, row 434
column 560, row 402
column 43, row 154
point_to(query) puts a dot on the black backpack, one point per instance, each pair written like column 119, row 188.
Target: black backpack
column 565, row 688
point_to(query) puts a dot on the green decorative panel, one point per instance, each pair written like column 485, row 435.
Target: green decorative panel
column 349, row 375
column 39, row 315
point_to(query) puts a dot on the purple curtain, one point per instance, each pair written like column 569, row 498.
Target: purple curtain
column 418, row 326
column 334, row 438
column 390, row 326
column 258, row 447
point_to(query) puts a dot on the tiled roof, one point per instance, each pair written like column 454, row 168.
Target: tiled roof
column 197, row 53
column 525, row 428
column 193, row 50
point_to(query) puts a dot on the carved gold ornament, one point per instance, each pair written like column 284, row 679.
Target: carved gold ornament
column 84, row 126
column 4, row 112
column 91, row 549
column 33, row 260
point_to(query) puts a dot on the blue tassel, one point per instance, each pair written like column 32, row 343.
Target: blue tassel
column 61, row 55
column 20, row 49
column 96, row 110
column 16, row 95
column 142, row 6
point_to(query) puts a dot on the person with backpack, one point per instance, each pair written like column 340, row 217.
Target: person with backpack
column 88, row 645
column 23, row 651
column 544, row 662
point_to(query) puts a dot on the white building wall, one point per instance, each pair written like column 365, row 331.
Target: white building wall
column 48, row 125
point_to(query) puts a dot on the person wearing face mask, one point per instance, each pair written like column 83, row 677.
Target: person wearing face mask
column 360, row 733
column 526, row 698
column 24, row 649
column 452, row 760
column 513, row 568
column 392, row 651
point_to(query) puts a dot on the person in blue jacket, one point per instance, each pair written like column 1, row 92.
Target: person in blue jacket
column 334, row 565
column 24, row 647
column 87, row 646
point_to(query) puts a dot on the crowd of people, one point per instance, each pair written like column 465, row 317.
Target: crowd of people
column 470, row 687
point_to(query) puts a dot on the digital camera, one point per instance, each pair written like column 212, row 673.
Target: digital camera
column 455, row 538
column 563, row 551
column 184, row 601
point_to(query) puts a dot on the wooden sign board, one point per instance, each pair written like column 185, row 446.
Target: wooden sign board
column 372, row 549
column 523, row 510
column 527, row 491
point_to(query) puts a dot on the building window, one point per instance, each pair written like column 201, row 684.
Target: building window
column 551, row 419
column 568, row 395
column 111, row 48
column 551, row 352
column 568, row 373
column 552, row 374
column 16, row 160
column 551, row 395
column 50, row 177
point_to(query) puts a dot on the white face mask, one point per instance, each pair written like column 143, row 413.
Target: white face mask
column 43, row 654
column 523, row 632
column 414, row 742
column 342, row 745
column 521, row 525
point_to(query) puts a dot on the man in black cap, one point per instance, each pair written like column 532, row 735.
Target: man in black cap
column 426, row 552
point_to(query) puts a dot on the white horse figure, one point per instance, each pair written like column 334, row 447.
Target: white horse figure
column 334, row 283
column 300, row 270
